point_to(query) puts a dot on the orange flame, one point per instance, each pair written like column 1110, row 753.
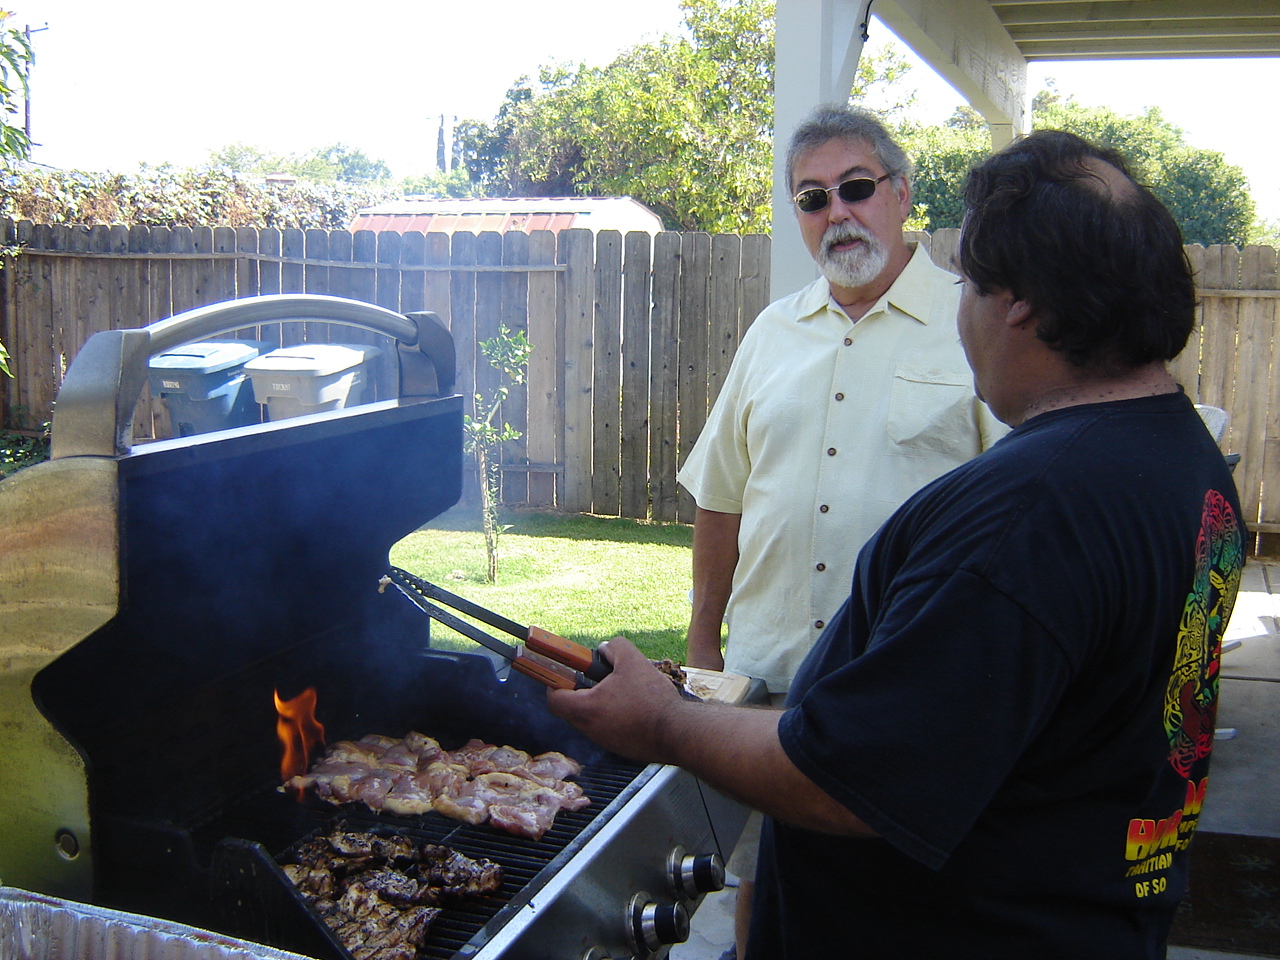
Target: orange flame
column 299, row 732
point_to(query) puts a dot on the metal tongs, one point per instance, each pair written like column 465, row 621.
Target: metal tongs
column 542, row 655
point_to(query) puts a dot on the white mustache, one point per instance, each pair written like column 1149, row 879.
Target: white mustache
column 843, row 233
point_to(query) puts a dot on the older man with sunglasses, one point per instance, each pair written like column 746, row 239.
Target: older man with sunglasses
column 843, row 400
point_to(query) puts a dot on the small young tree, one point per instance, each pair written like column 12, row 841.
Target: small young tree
column 508, row 353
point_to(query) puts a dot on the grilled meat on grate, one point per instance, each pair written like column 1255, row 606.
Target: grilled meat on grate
column 478, row 782
column 380, row 894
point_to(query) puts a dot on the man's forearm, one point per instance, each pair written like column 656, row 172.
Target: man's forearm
column 715, row 557
column 737, row 750
column 636, row 712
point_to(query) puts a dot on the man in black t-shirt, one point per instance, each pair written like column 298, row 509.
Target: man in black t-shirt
column 1000, row 745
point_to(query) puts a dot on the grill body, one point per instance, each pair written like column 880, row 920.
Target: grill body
column 159, row 597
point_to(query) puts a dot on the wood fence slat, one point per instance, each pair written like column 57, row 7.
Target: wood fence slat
column 270, row 245
column 9, row 318
column 413, row 282
column 364, row 254
column 39, row 351
column 315, row 279
column 224, row 266
column 579, row 283
column 691, row 393
column 1218, row 337
column 724, row 310
column 544, row 396
column 664, row 374
column 182, row 283
column 636, row 298
column 486, row 320
column 606, row 389
column 755, row 279
column 204, row 282
column 436, row 283
column 64, row 283
column 293, row 279
column 88, row 312
column 340, row 252
column 247, row 267
column 1252, row 364
column 462, row 304
column 246, row 276
column 514, row 312
column 1268, row 278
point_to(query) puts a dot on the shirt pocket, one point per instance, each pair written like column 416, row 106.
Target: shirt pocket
column 932, row 412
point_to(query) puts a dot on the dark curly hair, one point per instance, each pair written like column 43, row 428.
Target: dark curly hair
column 1095, row 254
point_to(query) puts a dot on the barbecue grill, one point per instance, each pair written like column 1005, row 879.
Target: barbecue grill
column 155, row 599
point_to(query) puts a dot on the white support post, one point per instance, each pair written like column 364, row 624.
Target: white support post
column 818, row 44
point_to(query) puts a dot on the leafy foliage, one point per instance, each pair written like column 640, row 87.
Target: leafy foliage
column 336, row 163
column 16, row 58
column 15, row 63
column 167, row 196
column 20, row 449
column 1207, row 196
column 453, row 183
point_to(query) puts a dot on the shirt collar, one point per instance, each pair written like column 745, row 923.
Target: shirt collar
column 910, row 293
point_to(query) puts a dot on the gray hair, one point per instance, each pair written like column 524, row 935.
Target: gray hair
column 835, row 122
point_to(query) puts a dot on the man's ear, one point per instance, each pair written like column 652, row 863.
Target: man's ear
column 1018, row 313
column 904, row 199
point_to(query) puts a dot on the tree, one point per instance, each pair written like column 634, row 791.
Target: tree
column 508, row 353
column 682, row 124
column 1208, row 197
column 453, row 183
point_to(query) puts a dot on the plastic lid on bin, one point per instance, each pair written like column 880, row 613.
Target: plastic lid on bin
column 317, row 359
column 209, row 357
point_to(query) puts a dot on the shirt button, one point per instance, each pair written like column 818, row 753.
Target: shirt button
column 819, row 624
column 822, row 566
column 839, row 396
column 823, row 509
column 831, row 451
column 848, row 341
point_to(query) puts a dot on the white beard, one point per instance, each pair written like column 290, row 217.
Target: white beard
column 855, row 267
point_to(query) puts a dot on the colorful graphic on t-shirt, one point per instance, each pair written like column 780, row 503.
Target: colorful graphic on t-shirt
column 1191, row 701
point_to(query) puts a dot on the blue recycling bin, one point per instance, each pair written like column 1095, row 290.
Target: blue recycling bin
column 204, row 386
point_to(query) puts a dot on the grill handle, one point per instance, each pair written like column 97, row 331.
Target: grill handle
column 94, row 411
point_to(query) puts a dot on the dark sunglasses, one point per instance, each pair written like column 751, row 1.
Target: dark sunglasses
column 851, row 191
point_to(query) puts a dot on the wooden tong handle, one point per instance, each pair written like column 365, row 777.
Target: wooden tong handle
column 585, row 660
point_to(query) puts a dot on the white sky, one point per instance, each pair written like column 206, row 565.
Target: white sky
column 120, row 83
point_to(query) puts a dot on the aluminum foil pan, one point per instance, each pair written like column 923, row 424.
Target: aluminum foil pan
column 36, row 927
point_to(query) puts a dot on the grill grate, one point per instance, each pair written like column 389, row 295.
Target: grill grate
column 523, row 861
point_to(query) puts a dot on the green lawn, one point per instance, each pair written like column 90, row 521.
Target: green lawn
column 585, row 578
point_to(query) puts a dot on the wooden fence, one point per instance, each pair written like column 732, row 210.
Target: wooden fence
column 632, row 335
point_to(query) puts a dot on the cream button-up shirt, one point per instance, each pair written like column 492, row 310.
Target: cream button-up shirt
column 822, row 429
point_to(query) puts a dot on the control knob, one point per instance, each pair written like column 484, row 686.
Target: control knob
column 692, row 875
column 656, row 925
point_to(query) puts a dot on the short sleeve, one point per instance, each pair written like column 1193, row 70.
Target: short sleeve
column 917, row 734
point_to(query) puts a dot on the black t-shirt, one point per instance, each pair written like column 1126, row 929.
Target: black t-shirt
column 1019, row 698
